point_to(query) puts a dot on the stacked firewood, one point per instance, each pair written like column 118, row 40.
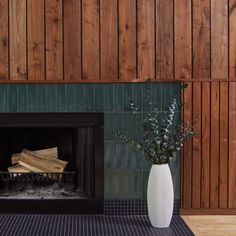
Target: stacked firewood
column 45, row 160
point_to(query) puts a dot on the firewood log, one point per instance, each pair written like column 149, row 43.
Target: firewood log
column 38, row 163
column 18, row 168
column 51, row 153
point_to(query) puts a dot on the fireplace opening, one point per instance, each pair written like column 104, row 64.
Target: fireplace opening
column 49, row 159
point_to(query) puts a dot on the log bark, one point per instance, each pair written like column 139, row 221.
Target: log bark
column 37, row 163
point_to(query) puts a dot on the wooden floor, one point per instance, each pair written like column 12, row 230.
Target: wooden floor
column 211, row 225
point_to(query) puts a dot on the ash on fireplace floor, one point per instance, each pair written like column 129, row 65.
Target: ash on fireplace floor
column 36, row 191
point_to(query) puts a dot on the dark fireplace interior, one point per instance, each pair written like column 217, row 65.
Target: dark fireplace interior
column 78, row 139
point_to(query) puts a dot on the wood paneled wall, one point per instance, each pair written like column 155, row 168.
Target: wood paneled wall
column 209, row 160
column 123, row 40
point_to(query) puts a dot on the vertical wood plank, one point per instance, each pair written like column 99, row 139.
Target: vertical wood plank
column 197, row 149
column 164, row 39
column 127, row 39
column 201, row 69
column 54, row 51
column 17, row 17
column 215, row 152
column 183, row 70
column 4, row 39
column 205, row 175
column 219, row 121
column 146, row 38
column 90, row 39
column 232, row 107
column 183, row 57
column 36, row 42
column 109, row 40
column 232, row 37
column 72, row 40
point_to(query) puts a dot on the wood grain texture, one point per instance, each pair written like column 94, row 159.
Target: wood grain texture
column 187, row 150
column 201, row 39
column 164, row 39
column 232, row 37
column 232, row 147
column 18, row 58
column 232, row 107
column 146, row 38
column 90, row 40
column 54, row 50
column 183, row 70
column 4, row 38
column 72, row 40
column 205, row 167
column 109, row 39
column 183, row 55
column 127, row 40
column 197, row 147
column 36, row 42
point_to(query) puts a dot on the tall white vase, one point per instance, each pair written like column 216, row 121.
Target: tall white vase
column 160, row 196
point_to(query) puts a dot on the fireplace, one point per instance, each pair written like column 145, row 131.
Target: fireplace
column 78, row 139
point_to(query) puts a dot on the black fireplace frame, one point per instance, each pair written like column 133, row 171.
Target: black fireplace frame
column 64, row 206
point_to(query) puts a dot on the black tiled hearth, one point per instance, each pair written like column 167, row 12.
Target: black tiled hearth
column 86, row 225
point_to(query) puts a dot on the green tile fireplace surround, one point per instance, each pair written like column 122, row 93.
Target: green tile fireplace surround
column 126, row 173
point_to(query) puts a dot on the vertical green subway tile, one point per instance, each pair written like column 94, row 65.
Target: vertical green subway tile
column 137, row 95
column 99, row 97
column 128, row 124
column 108, row 126
column 145, row 182
column 4, row 98
column 42, row 98
column 89, row 97
column 108, row 155
column 32, row 97
column 108, row 97
column 118, row 97
column 157, row 95
column 51, row 97
column 22, row 98
column 128, row 96
column 13, row 98
column 116, row 189
column 175, row 87
column 141, row 162
column 137, row 126
column 166, row 95
column 122, row 156
column 118, row 123
column 147, row 95
column 61, row 98
column 70, row 98
column 80, row 97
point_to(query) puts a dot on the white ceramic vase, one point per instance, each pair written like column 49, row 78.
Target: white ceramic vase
column 160, row 196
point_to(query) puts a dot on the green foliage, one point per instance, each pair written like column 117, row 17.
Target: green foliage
column 162, row 138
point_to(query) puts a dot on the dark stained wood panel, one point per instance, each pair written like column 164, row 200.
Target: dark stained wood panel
column 109, row 39
column 127, row 40
column 232, row 37
column 72, row 40
column 18, row 58
column 36, row 39
column 183, row 65
column 146, row 38
column 183, row 35
column 219, row 60
column 164, row 39
column 4, row 37
column 205, row 133
column 90, row 40
column 232, row 107
column 201, row 39
column 54, row 50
